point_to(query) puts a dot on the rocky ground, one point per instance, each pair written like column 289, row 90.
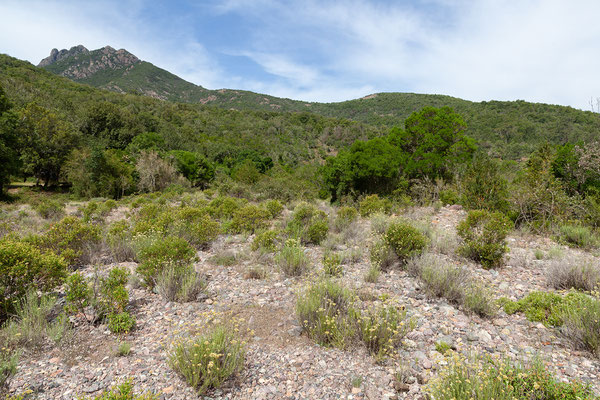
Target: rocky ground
column 284, row 364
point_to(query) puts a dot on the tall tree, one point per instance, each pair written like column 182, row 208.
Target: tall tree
column 9, row 155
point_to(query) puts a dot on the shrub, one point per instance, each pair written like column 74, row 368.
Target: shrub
column 50, row 209
column 160, row 253
column 32, row 324
column 78, row 294
column 73, row 239
column 249, row 219
column 382, row 255
column 484, row 234
column 121, row 322
column 405, row 240
column 206, row 362
column 478, row 300
column 577, row 235
column 265, row 241
column 372, row 274
column 124, row 349
column 224, row 207
column 274, row 208
column 449, row 196
column 195, row 226
column 324, row 310
column 118, row 239
column 545, row 307
column 112, row 295
column 581, row 323
column 180, row 283
column 344, row 217
column 379, row 223
column 562, row 274
column 486, row 378
column 24, row 267
column 291, row 258
column 308, row 223
column 332, row 264
column 8, row 365
column 382, row 329
column 123, row 391
column 372, row 204
column 255, row 272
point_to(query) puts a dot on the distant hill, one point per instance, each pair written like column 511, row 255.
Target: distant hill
column 510, row 129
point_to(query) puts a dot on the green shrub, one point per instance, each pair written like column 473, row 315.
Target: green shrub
column 449, row 196
column 484, row 235
column 112, row 294
column 224, row 207
column 478, row 300
column 50, row 209
column 577, row 235
column 332, row 264
column 158, row 253
column 382, row 255
column 308, row 223
column 372, row 274
column 73, row 239
column 383, row 328
column 292, row 259
column 180, row 282
column 380, row 223
column 118, row 239
column 206, row 362
column 195, row 226
column 581, row 322
column 344, row 217
column 9, row 360
column 545, row 307
column 249, row 219
column 24, row 267
column 123, row 391
column 124, row 349
column 274, row 207
column 325, row 311
column 405, row 240
column 265, row 241
column 121, row 322
column 78, row 294
column 486, row 378
column 372, row 204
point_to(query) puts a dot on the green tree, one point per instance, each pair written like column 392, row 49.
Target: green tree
column 47, row 141
column 434, row 141
column 9, row 155
column 483, row 186
column 195, row 167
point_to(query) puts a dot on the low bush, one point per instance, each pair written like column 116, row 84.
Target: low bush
column 206, row 362
column 372, row 274
column 581, row 323
column 78, row 294
column 224, row 207
column 577, row 235
column 274, row 208
column 73, row 239
column 249, row 219
column 344, row 217
column 406, row 240
column 195, row 226
column 291, row 258
column 383, row 328
column 157, row 254
column 487, row 378
column 382, row 255
column 255, row 272
column 122, row 322
column 308, row 223
column 24, row 267
column 484, row 235
column 325, row 311
column 9, row 359
column 50, row 209
column 545, row 307
column 372, row 204
column 332, row 264
column 123, row 391
column 265, row 241
column 449, row 196
column 564, row 274
column 380, row 223
column 180, row 283
column 118, row 239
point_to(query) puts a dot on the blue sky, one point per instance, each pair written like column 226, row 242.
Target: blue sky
column 536, row 50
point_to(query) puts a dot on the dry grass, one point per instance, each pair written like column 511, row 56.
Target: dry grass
column 573, row 274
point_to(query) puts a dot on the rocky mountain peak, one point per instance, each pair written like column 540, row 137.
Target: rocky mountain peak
column 56, row 55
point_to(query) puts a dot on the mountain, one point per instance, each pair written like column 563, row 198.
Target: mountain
column 510, row 129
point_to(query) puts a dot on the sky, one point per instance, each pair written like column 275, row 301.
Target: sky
column 320, row 50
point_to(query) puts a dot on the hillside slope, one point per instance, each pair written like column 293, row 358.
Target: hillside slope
column 510, row 129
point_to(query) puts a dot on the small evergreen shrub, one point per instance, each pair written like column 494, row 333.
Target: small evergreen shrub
column 274, row 208
column 265, row 241
column 9, row 359
column 486, row 378
column 224, row 207
column 249, row 219
column 449, row 197
column 372, row 274
column 317, row 231
column 121, row 322
column 73, row 239
column 577, row 235
column 196, row 226
column 206, row 362
column 161, row 252
column 50, row 209
column 382, row 255
column 180, row 282
column 383, row 328
column 332, row 264
column 24, row 267
column 123, row 391
column 581, row 322
column 372, row 204
column 309, row 224
column 113, row 296
column 484, row 235
column 78, row 293
column 118, row 239
column 405, row 240
column 545, row 307
column 325, row 311
column 291, row 258
column 344, row 217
